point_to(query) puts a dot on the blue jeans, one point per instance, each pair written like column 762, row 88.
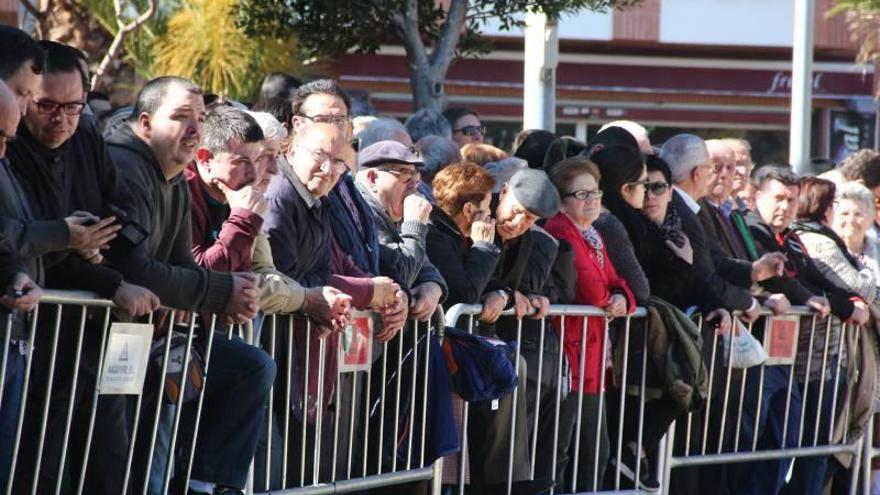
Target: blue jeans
column 767, row 477
column 13, row 384
column 236, row 388
column 810, row 473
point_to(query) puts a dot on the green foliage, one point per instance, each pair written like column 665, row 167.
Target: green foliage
column 202, row 43
column 329, row 27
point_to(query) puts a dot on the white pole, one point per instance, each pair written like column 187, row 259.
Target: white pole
column 539, row 72
column 801, row 84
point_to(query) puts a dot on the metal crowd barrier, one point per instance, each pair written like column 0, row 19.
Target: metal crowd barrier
column 715, row 434
column 347, row 447
column 64, row 422
column 737, row 396
column 368, row 430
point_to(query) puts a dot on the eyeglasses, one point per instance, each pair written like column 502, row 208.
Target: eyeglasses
column 6, row 136
column 658, row 188
column 328, row 164
column 586, row 195
column 341, row 122
column 70, row 108
column 405, row 175
column 470, row 130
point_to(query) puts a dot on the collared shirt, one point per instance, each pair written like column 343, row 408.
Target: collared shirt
column 688, row 200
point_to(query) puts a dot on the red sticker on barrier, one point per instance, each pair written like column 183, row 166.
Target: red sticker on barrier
column 780, row 339
column 356, row 346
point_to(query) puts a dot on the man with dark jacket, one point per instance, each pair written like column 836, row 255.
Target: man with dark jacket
column 15, row 280
column 387, row 180
column 152, row 154
column 776, row 204
column 62, row 165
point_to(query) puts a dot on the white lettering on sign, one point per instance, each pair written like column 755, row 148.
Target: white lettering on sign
column 126, row 359
column 782, row 82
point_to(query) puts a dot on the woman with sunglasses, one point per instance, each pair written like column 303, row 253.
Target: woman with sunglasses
column 638, row 195
column 596, row 283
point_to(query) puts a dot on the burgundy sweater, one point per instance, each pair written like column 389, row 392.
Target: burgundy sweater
column 233, row 247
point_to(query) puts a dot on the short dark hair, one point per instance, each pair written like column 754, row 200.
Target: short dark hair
column 320, row 86
column 18, row 49
column 815, row 197
column 277, row 107
column 781, row 172
column 225, row 124
column 452, row 114
column 863, row 166
column 654, row 163
column 150, row 97
column 279, row 85
column 61, row 58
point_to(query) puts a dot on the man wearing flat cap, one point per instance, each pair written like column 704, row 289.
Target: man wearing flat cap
column 526, row 197
column 388, row 179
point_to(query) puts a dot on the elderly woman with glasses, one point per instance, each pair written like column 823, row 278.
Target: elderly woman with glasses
column 596, row 283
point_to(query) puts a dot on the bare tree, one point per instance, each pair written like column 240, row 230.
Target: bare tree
column 124, row 28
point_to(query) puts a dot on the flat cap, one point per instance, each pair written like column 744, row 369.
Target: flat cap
column 388, row 152
column 534, row 191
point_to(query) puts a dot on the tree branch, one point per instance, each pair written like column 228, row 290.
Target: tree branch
column 450, row 32
column 124, row 30
column 408, row 25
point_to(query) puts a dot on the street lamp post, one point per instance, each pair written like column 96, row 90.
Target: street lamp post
column 801, row 85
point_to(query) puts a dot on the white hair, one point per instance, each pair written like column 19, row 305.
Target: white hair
column 859, row 194
column 272, row 129
column 683, row 153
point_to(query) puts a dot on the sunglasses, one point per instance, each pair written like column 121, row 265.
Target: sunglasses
column 658, row 188
column 470, row 130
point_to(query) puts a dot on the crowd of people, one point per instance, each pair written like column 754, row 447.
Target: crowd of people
column 298, row 206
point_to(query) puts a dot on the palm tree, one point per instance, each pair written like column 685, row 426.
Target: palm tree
column 203, row 43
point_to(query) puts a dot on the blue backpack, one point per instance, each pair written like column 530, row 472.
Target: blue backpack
column 481, row 368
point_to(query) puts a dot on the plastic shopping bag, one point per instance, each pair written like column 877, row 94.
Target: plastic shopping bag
column 744, row 349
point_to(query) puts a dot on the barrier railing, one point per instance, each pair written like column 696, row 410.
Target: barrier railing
column 727, row 430
column 802, row 392
column 80, row 420
column 348, row 414
column 560, row 406
column 370, row 432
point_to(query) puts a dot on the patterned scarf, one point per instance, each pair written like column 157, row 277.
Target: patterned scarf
column 591, row 235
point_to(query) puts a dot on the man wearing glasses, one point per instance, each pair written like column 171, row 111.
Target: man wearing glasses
column 387, row 179
column 63, row 166
column 466, row 126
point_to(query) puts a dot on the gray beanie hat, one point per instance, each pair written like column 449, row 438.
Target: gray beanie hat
column 533, row 189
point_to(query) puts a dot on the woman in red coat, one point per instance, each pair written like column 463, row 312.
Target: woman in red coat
column 596, row 284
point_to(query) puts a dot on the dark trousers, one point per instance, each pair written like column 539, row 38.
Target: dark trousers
column 110, row 439
column 236, row 388
column 810, row 473
column 767, row 477
column 489, row 437
column 13, row 384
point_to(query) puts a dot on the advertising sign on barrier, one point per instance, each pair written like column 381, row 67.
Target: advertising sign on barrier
column 356, row 345
column 780, row 339
column 126, row 359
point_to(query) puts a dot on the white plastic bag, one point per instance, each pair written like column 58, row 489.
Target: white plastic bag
column 746, row 351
